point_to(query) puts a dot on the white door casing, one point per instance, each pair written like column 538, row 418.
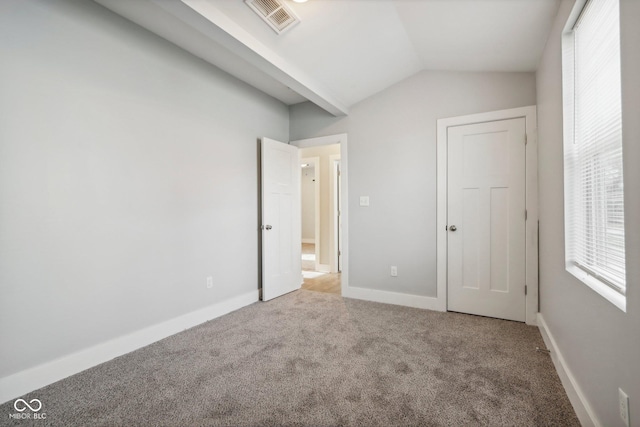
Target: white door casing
column 486, row 218
column 281, row 219
column 339, row 215
column 335, row 224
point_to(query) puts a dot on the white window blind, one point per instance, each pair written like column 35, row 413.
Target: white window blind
column 593, row 154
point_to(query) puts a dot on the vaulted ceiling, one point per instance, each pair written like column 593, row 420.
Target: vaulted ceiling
column 344, row 51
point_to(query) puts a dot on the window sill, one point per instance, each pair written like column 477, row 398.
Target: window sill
column 605, row 291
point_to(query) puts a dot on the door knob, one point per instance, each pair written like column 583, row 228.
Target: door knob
column 268, row 227
column 453, row 228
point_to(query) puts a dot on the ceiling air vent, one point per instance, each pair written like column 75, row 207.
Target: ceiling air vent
column 275, row 13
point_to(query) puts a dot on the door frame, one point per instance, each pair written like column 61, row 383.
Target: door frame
column 531, row 201
column 316, row 188
column 334, row 162
column 344, row 195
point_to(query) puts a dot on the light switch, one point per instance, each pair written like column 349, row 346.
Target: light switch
column 364, row 200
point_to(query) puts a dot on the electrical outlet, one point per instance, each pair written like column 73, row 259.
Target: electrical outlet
column 209, row 282
column 623, row 400
column 364, row 200
column 394, row 271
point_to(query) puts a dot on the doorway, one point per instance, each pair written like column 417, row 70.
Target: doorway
column 319, row 199
column 310, row 210
column 324, row 255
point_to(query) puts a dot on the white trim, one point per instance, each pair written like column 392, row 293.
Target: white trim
column 429, row 303
column 323, row 268
column 604, row 290
column 344, row 194
column 529, row 113
column 585, row 413
column 316, row 189
column 333, row 226
column 320, row 141
column 573, row 16
column 34, row 378
column 310, row 241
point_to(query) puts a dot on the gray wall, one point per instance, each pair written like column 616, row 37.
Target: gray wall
column 392, row 159
column 128, row 173
column 600, row 343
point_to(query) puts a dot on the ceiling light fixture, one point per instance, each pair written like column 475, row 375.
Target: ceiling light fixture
column 300, row 1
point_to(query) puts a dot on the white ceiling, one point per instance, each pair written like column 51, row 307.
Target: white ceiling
column 344, row 51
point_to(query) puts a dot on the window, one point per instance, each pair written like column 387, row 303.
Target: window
column 594, row 193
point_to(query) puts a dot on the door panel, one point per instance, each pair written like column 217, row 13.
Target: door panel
column 281, row 219
column 486, row 207
column 470, row 238
column 499, row 235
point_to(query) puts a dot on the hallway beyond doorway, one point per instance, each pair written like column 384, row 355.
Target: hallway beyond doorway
column 316, row 280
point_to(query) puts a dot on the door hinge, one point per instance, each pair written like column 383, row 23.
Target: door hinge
column 525, row 289
column 526, row 139
column 526, row 214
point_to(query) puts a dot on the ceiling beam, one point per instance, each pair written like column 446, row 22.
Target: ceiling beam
column 211, row 22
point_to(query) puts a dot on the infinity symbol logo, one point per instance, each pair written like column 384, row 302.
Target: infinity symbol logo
column 25, row 405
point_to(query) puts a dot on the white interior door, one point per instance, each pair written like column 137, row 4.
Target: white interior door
column 281, row 219
column 486, row 219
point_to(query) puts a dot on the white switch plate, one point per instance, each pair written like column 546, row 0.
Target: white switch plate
column 364, row 200
column 394, row 271
column 209, row 282
column 624, row 406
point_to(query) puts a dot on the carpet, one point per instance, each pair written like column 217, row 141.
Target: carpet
column 317, row 359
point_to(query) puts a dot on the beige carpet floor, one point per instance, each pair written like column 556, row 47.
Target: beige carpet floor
column 317, row 359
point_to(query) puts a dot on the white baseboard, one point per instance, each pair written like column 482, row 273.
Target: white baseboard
column 313, row 241
column 323, row 268
column 429, row 303
column 37, row 377
column 580, row 404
